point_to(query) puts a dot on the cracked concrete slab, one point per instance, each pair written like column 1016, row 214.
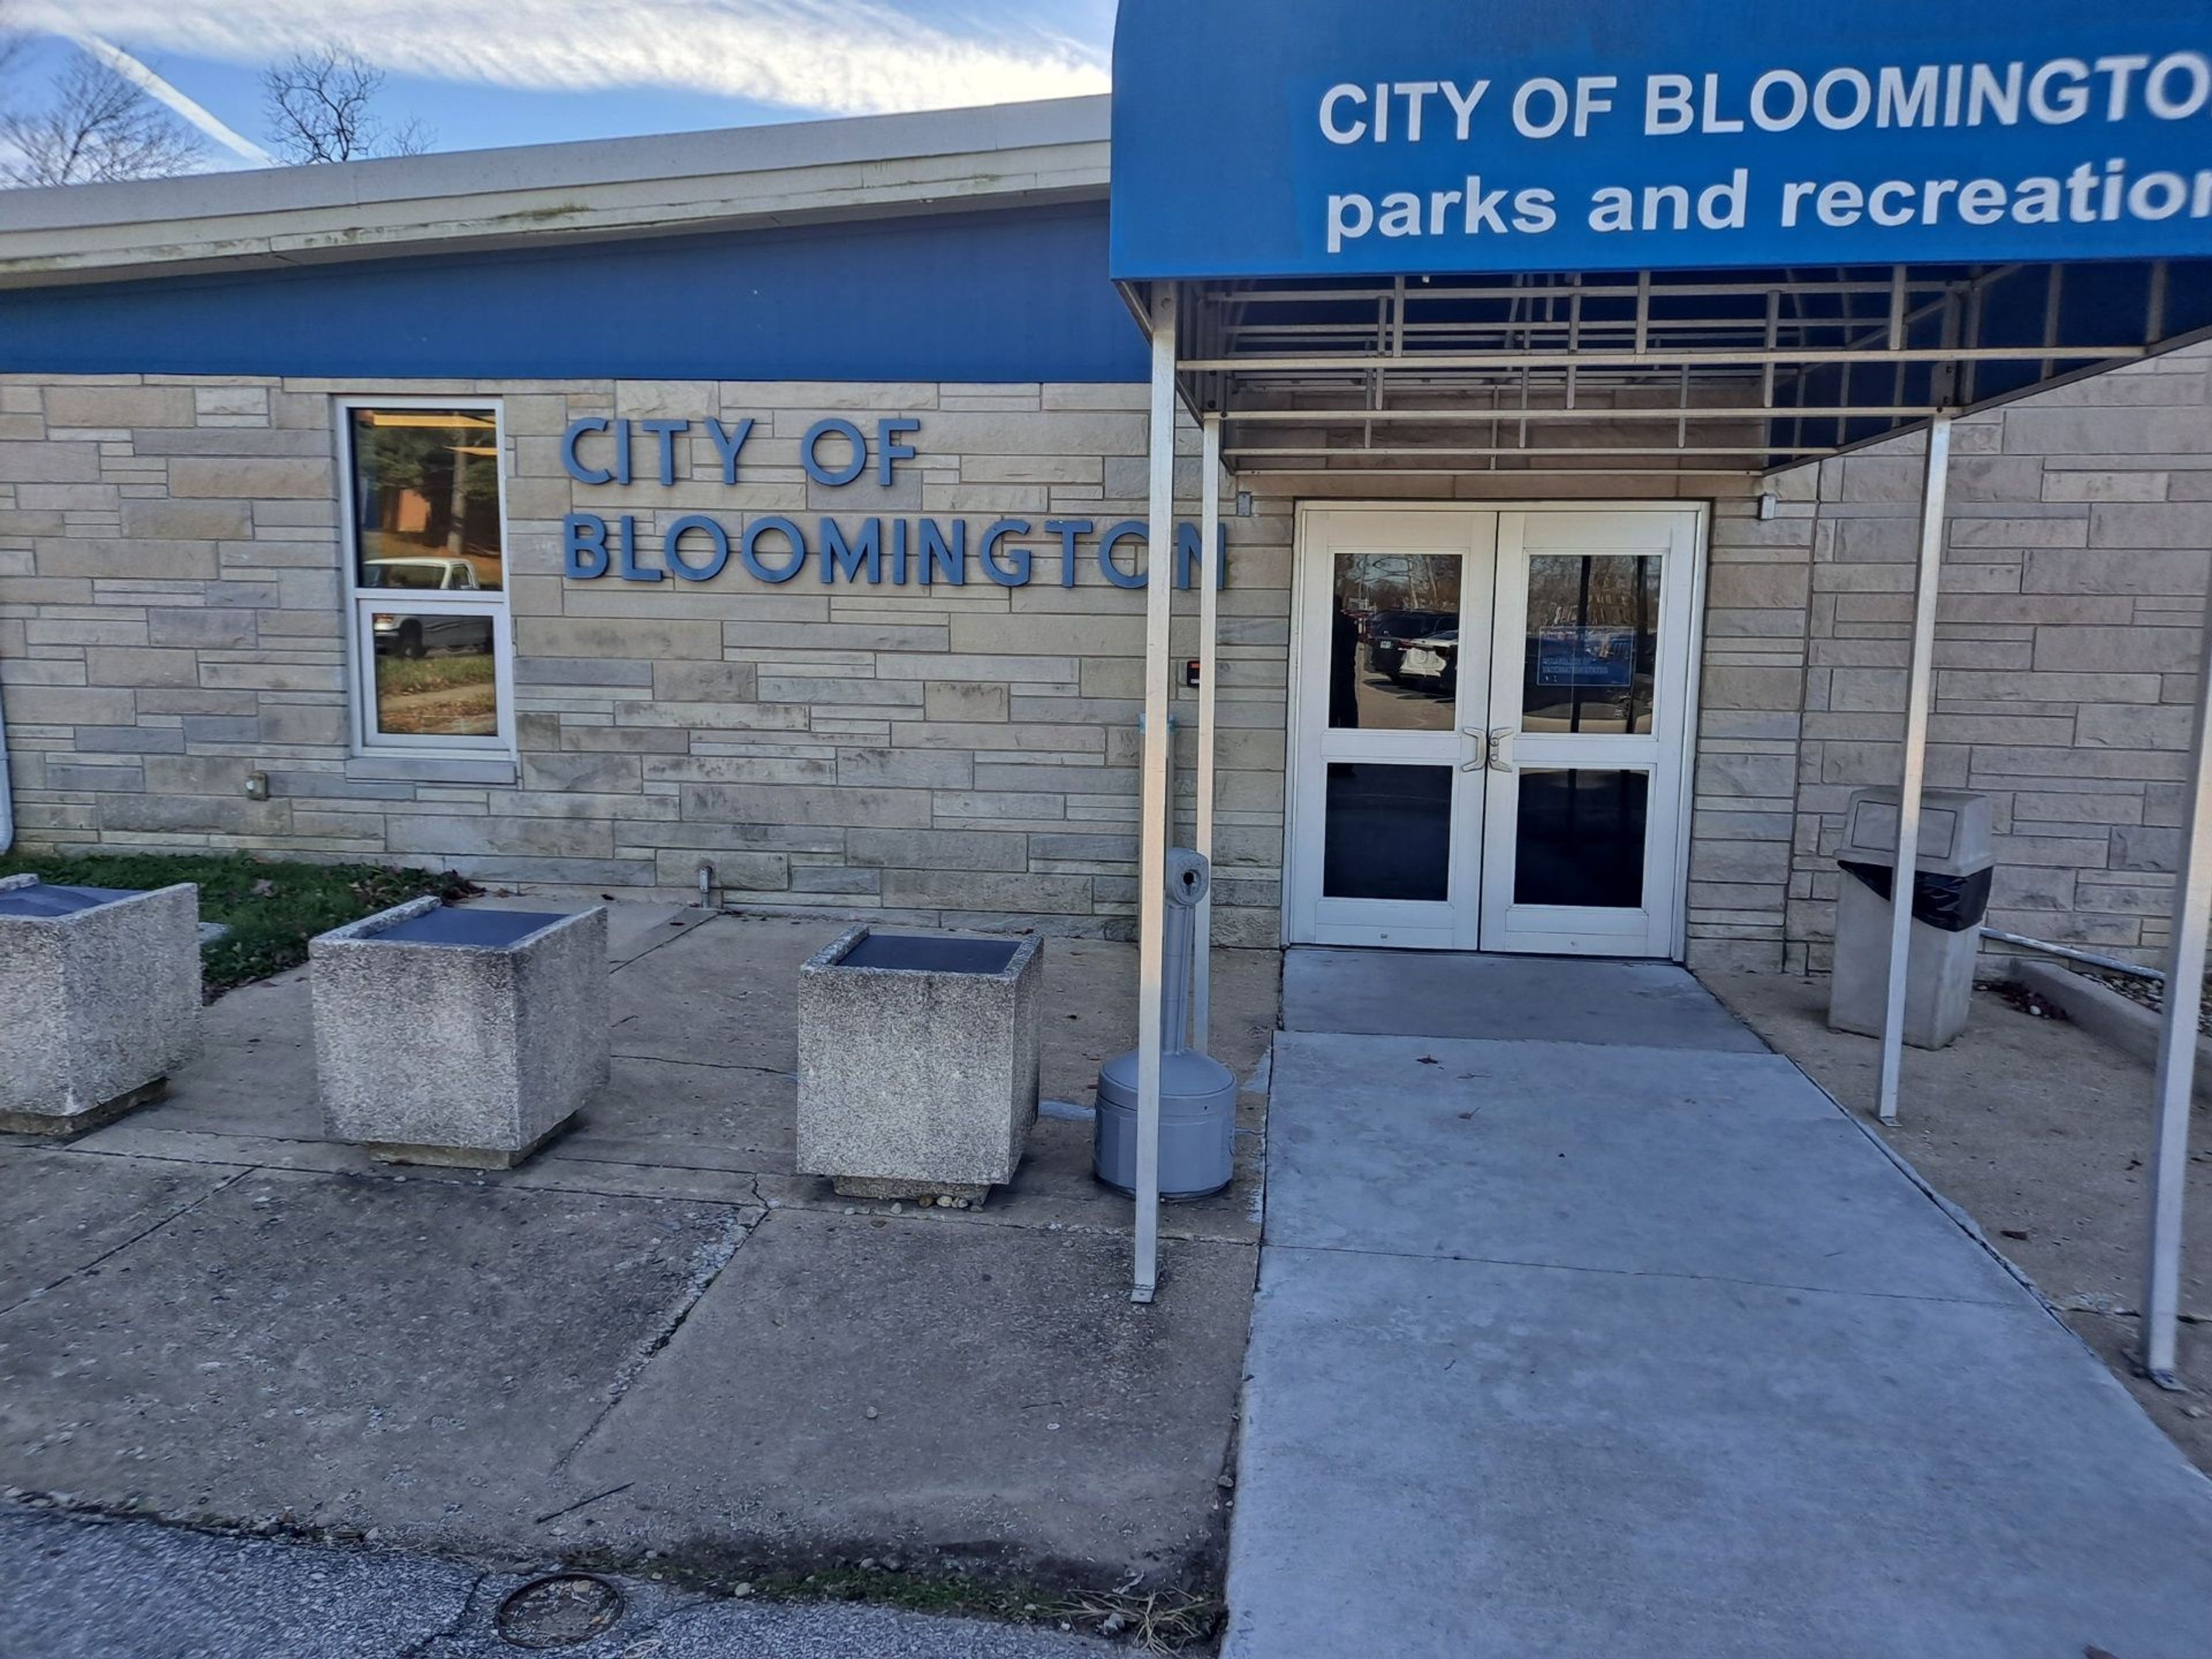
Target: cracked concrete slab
column 957, row 1393
column 688, row 1116
column 634, row 929
column 418, row 1351
column 60, row 1211
column 723, row 994
column 412, row 1355
column 255, row 1074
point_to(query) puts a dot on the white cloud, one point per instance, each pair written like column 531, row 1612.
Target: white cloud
column 190, row 108
column 843, row 56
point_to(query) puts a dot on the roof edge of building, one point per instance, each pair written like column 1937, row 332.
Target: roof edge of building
column 737, row 178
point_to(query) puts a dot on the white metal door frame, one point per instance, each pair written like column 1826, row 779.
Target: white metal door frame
column 1470, row 535
column 1672, row 535
column 1304, row 762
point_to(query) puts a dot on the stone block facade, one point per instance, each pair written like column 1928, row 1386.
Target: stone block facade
column 172, row 617
column 2079, row 521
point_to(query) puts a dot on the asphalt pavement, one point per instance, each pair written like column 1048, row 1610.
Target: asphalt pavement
column 81, row 1586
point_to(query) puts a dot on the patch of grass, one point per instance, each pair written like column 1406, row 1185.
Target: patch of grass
column 272, row 907
column 398, row 675
column 1164, row 1621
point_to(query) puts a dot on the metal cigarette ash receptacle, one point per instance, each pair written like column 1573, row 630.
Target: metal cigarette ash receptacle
column 1198, row 1094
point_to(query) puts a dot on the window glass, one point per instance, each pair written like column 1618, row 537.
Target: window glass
column 436, row 675
column 1388, row 834
column 427, row 548
column 1592, row 639
column 1578, row 839
column 426, row 500
column 1393, row 649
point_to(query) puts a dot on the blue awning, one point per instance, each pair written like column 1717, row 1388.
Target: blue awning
column 1275, row 138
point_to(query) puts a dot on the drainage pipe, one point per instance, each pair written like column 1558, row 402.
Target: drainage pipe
column 2110, row 964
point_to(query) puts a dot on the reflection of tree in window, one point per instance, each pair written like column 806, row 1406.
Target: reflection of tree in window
column 427, row 486
column 1592, row 642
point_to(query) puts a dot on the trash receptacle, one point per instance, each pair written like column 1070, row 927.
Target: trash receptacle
column 1950, row 896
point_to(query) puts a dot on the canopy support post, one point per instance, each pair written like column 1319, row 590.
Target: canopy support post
column 1209, row 643
column 1920, row 694
column 2177, row 1050
column 1153, row 824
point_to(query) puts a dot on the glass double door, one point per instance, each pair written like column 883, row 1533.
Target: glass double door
column 1490, row 713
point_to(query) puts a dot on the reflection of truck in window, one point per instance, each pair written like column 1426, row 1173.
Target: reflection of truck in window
column 419, row 635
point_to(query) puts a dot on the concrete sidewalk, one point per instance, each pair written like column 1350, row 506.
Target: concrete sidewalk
column 1588, row 1328
column 655, row 1343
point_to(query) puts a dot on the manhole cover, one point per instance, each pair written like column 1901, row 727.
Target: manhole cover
column 564, row 1611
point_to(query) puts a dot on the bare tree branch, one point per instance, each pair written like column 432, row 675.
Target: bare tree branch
column 96, row 127
column 320, row 107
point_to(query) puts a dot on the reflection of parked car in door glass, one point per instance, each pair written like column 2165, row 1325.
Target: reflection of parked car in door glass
column 1389, row 633
column 1434, row 658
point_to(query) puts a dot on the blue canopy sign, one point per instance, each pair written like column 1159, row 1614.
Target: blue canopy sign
column 1301, row 137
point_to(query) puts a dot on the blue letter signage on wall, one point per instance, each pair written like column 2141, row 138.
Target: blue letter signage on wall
column 1401, row 137
column 837, row 453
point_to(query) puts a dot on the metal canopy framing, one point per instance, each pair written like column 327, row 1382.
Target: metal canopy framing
column 1715, row 374
column 1678, row 373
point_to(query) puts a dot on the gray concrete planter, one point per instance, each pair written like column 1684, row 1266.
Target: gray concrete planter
column 459, row 1036
column 918, row 1063
column 100, row 1000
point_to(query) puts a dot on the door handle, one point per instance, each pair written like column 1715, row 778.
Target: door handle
column 1481, row 749
column 1501, row 738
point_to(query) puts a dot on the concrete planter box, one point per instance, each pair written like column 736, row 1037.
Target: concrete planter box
column 918, row 1062
column 459, row 1038
column 100, row 1000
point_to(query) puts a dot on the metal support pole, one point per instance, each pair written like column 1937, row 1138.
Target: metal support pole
column 1209, row 641
column 1919, row 689
column 2177, row 1049
column 1153, row 864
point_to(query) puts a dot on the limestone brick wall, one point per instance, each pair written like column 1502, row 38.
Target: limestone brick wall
column 2073, row 587
column 172, row 618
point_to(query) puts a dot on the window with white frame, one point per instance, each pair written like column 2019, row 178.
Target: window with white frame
column 426, row 534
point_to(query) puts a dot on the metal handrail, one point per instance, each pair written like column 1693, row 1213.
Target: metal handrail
column 2110, row 964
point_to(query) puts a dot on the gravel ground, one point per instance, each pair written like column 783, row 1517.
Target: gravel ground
column 2149, row 993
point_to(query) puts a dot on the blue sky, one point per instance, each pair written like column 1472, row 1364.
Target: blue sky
column 489, row 72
